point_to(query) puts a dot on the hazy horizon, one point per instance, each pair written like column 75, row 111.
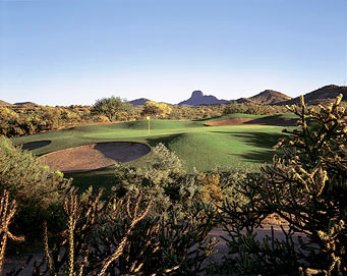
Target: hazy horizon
column 74, row 52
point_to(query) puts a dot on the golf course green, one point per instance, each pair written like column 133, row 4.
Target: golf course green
column 202, row 147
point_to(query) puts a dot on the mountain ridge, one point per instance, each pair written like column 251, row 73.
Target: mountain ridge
column 327, row 92
column 323, row 95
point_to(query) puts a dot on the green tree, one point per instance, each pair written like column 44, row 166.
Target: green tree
column 114, row 108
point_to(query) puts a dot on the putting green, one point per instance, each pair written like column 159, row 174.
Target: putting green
column 199, row 146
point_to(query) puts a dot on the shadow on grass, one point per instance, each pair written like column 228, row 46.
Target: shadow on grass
column 208, row 118
column 36, row 145
column 258, row 156
column 260, row 140
column 273, row 120
column 166, row 140
column 103, row 178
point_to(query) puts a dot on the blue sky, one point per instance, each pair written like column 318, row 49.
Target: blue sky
column 59, row 52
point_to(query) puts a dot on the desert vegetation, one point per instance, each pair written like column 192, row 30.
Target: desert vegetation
column 114, row 108
column 157, row 217
column 27, row 119
column 19, row 120
column 303, row 186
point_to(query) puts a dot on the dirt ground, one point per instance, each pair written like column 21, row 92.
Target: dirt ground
column 94, row 156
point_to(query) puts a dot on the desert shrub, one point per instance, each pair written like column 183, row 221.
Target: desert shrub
column 119, row 237
column 24, row 120
column 101, row 119
column 210, row 189
column 35, row 187
column 166, row 180
column 174, row 243
column 250, row 108
column 306, row 186
column 195, row 112
column 114, row 108
column 159, row 110
column 180, row 219
column 7, row 121
column 162, row 179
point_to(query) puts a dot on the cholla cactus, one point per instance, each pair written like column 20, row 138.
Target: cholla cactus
column 307, row 187
column 7, row 211
column 72, row 251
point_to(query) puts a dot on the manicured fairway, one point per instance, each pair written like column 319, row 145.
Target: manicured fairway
column 199, row 146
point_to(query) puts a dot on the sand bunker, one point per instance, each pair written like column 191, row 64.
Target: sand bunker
column 35, row 145
column 94, row 156
column 228, row 122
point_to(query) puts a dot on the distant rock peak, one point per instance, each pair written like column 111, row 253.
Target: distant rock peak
column 198, row 98
column 140, row 101
column 197, row 94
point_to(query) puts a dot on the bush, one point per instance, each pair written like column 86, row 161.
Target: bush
column 307, row 187
column 35, row 187
column 159, row 110
column 114, row 108
column 250, row 108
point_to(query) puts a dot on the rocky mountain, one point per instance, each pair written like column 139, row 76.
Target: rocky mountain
column 321, row 95
column 198, row 98
column 138, row 102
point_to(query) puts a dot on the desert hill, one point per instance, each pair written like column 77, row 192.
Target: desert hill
column 269, row 97
column 243, row 101
column 3, row 103
column 26, row 104
column 138, row 102
column 198, row 98
column 320, row 95
column 266, row 97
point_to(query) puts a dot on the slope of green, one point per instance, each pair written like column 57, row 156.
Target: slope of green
column 200, row 147
column 233, row 115
column 225, row 147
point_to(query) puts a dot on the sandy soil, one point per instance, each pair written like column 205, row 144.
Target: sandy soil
column 228, row 122
column 94, row 156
